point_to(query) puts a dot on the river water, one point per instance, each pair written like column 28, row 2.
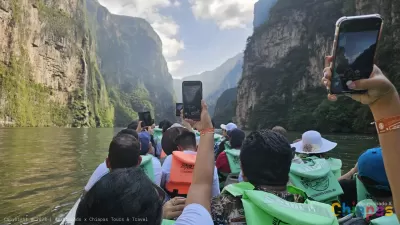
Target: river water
column 43, row 170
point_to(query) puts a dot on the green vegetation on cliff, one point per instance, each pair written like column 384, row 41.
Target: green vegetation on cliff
column 225, row 107
column 288, row 95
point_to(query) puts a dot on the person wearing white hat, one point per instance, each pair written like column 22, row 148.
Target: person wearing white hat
column 313, row 144
column 226, row 128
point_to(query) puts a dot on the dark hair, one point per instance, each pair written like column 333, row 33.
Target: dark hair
column 168, row 141
column 129, row 131
column 236, row 137
column 124, row 151
column 280, row 130
column 266, row 157
column 167, row 124
column 186, row 140
column 123, row 193
column 133, row 125
column 213, row 123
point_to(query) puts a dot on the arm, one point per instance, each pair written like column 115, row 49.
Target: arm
column 200, row 190
column 385, row 108
column 349, row 174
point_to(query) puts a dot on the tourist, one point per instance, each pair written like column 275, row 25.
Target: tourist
column 102, row 169
column 146, row 149
column 236, row 137
column 280, row 130
column 265, row 158
column 181, row 140
column 313, row 144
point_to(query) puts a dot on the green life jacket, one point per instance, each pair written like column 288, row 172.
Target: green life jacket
column 362, row 192
column 336, row 166
column 316, row 179
column 168, row 222
column 157, row 134
column 234, row 160
column 217, row 138
column 227, row 145
column 264, row 208
column 385, row 220
column 147, row 166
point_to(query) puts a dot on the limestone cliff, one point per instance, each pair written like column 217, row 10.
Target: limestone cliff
column 283, row 66
column 225, row 107
column 43, row 65
column 131, row 61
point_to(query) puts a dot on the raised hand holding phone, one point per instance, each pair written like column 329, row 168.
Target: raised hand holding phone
column 192, row 94
column 353, row 52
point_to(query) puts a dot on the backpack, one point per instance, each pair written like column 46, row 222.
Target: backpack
column 316, row 179
column 264, row 208
column 147, row 166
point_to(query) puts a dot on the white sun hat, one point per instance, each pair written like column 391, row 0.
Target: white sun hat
column 312, row 143
column 228, row 127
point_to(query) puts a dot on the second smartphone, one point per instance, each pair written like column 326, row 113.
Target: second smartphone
column 192, row 94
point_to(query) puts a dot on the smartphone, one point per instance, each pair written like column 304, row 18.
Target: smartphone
column 354, row 47
column 192, row 94
column 178, row 109
column 146, row 119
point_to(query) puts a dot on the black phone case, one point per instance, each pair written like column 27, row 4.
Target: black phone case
column 186, row 104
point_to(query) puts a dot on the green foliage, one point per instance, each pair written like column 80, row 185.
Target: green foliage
column 26, row 103
column 56, row 21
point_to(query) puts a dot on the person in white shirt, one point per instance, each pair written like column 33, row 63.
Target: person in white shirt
column 186, row 142
column 147, row 149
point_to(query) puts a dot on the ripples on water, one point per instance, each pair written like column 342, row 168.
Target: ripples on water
column 44, row 170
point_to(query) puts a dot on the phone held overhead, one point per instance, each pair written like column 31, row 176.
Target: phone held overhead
column 192, row 94
column 354, row 47
column 146, row 119
column 178, row 109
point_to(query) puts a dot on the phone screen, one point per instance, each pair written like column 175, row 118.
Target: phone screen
column 192, row 94
column 145, row 117
column 178, row 109
column 355, row 52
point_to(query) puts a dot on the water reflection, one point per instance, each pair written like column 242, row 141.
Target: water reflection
column 44, row 170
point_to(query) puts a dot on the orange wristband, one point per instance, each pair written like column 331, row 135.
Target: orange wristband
column 207, row 131
column 387, row 124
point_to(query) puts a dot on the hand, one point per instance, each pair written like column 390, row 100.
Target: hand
column 205, row 119
column 150, row 130
column 173, row 208
column 378, row 85
column 139, row 127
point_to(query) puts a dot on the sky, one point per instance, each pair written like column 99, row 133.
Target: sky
column 197, row 35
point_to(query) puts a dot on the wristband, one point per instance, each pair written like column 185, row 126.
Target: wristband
column 206, row 131
column 387, row 124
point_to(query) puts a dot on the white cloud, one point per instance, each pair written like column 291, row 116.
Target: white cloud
column 165, row 26
column 174, row 65
column 226, row 13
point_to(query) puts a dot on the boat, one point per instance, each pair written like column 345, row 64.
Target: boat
column 69, row 219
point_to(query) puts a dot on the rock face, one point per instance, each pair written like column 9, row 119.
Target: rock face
column 52, row 57
column 225, row 107
column 283, row 64
column 132, row 64
column 43, row 46
column 215, row 82
column 261, row 11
